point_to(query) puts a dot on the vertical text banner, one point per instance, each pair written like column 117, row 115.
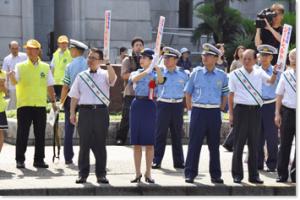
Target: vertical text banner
column 284, row 46
column 107, row 27
column 159, row 36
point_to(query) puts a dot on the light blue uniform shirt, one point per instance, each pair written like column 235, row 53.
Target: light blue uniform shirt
column 207, row 87
column 173, row 87
column 268, row 90
column 77, row 65
column 141, row 87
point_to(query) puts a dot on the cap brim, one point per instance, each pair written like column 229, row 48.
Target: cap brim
column 266, row 52
column 209, row 52
column 170, row 55
column 63, row 41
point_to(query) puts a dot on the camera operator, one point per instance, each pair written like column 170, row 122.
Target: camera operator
column 271, row 33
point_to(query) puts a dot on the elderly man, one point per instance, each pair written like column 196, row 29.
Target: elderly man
column 9, row 64
column 33, row 78
column 90, row 91
column 245, row 86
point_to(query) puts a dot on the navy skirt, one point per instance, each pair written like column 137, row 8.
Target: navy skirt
column 142, row 122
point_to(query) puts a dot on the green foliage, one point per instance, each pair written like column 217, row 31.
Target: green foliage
column 290, row 18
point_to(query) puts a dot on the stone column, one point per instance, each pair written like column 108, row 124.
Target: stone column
column 27, row 20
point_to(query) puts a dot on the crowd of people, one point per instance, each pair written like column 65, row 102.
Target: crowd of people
column 259, row 98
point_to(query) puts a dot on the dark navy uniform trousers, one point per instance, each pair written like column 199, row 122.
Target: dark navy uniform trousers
column 169, row 115
column 204, row 122
column 269, row 134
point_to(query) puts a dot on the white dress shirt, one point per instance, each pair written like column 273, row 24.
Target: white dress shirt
column 283, row 88
column 9, row 64
column 241, row 96
column 82, row 92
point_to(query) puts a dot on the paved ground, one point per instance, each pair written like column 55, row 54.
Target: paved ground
column 59, row 179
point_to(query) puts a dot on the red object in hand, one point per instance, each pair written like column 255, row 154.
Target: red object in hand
column 152, row 85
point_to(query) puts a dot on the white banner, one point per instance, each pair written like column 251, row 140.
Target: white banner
column 106, row 40
column 284, row 46
column 160, row 31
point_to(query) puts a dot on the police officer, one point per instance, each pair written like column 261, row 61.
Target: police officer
column 143, row 113
column 245, row 85
column 59, row 62
column 269, row 131
column 90, row 91
column 129, row 64
column 170, row 110
column 285, row 118
column 33, row 79
column 77, row 65
column 206, row 95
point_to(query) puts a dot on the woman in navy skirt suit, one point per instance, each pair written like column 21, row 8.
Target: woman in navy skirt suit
column 142, row 113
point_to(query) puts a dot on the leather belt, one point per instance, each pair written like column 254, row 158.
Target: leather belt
column 93, row 106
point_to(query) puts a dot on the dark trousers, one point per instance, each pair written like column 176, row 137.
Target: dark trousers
column 246, row 125
column 57, row 90
column 287, row 133
column 27, row 116
column 169, row 115
column 124, row 124
column 69, row 131
column 269, row 134
column 204, row 123
column 92, row 128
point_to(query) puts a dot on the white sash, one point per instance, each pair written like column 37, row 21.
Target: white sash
column 249, row 87
column 94, row 88
column 291, row 80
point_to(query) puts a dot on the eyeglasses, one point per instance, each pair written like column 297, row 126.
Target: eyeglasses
column 92, row 58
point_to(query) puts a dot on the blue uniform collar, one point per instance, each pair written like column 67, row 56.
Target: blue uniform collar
column 269, row 69
column 206, row 71
column 167, row 71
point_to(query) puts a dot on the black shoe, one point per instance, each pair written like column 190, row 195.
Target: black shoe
column 149, row 180
column 228, row 148
column 237, row 180
column 189, row 180
column 271, row 170
column 179, row 166
column 80, row 179
column 103, row 180
column 20, row 165
column 119, row 142
column 156, row 166
column 217, row 180
column 256, row 180
column 137, row 179
column 281, row 179
column 40, row 165
column 69, row 162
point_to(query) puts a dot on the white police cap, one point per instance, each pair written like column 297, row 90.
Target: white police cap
column 268, row 49
column 77, row 44
column 169, row 51
column 210, row 49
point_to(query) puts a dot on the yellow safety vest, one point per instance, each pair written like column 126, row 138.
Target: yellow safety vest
column 60, row 64
column 3, row 103
column 31, row 89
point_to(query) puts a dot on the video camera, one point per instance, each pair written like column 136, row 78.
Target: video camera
column 264, row 14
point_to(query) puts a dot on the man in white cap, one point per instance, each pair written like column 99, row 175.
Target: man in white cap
column 77, row 65
column 245, row 100
column 9, row 64
column 184, row 61
column 170, row 110
column 206, row 96
column 269, row 133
